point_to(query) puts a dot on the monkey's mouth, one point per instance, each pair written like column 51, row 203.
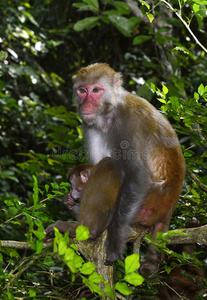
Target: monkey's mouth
column 89, row 115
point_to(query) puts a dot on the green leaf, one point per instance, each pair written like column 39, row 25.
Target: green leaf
column 168, row 269
column 175, row 102
column 39, row 246
column 122, row 7
column 77, row 262
column 196, row 7
column 86, row 23
column 96, row 278
column 50, row 196
column 145, row 4
column 62, row 247
column 48, row 261
column 29, row 220
column 188, row 153
column 150, row 17
column 32, row 293
column 109, row 292
column 92, row 286
column 200, row 2
column 186, row 255
column 164, row 89
column 90, row 5
column 3, row 55
column 171, row 233
column 82, row 233
column 201, row 89
column 181, row 49
column 47, row 188
column 87, row 268
column 132, row 263
column 162, row 100
column 196, row 96
column 123, row 288
column 36, row 192
column 141, row 39
column 122, row 24
column 134, row 279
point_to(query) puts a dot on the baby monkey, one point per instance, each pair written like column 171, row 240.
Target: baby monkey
column 77, row 177
column 97, row 189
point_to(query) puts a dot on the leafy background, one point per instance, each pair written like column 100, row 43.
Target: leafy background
column 44, row 43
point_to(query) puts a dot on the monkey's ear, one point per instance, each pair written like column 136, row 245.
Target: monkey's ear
column 84, row 176
column 117, row 80
column 74, row 78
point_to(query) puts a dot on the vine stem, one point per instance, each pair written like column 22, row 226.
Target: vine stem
column 185, row 24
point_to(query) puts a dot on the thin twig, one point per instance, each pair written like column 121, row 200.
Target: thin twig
column 193, row 176
column 185, row 24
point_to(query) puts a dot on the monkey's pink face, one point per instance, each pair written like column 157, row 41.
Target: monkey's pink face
column 90, row 96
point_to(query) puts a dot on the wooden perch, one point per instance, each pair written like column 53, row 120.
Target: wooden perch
column 94, row 250
column 194, row 235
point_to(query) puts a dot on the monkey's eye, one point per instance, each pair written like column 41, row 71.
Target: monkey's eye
column 82, row 90
column 96, row 89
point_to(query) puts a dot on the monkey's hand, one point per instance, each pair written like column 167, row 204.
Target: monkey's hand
column 62, row 226
column 68, row 201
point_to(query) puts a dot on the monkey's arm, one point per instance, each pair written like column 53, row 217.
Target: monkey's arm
column 62, row 226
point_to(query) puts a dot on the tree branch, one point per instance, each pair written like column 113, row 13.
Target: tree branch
column 193, row 176
column 194, row 235
column 185, row 24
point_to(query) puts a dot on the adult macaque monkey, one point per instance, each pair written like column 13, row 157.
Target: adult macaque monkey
column 144, row 148
column 97, row 187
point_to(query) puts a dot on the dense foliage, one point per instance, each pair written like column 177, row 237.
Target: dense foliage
column 160, row 47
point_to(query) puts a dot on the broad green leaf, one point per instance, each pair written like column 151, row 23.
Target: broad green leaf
column 62, row 247
column 134, row 279
column 90, row 5
column 39, row 246
column 109, row 292
column 141, row 39
column 132, row 263
column 86, row 23
column 186, row 255
column 201, row 89
column 164, row 89
column 48, row 261
column 82, row 233
column 175, row 102
column 32, row 293
column 50, row 196
column 200, row 2
column 122, row 7
column 188, row 153
column 123, row 288
column 170, row 233
column 196, row 7
column 122, row 24
column 92, row 286
column 96, row 278
column 87, row 268
column 77, row 262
